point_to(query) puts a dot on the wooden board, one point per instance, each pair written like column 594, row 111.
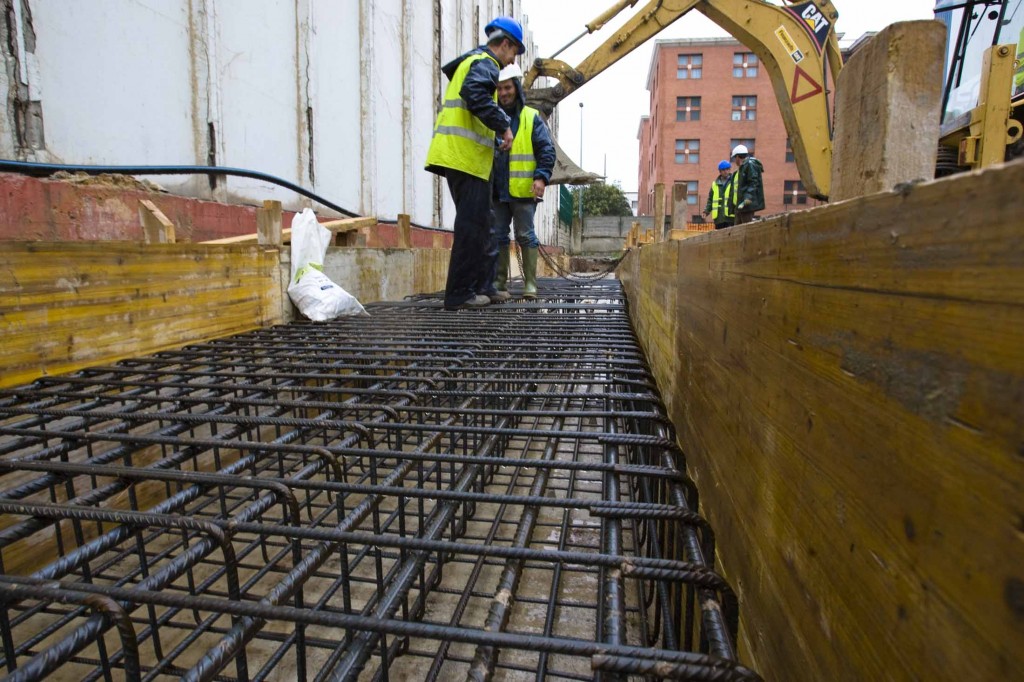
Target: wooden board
column 336, row 226
column 848, row 385
column 68, row 305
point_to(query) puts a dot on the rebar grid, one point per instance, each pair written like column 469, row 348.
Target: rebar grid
column 420, row 494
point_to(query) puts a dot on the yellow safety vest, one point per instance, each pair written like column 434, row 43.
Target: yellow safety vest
column 461, row 140
column 725, row 204
column 1018, row 75
column 521, row 162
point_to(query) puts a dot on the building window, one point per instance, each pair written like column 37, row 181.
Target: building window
column 689, row 66
column 690, row 191
column 744, row 108
column 747, row 142
column 687, row 151
column 687, row 108
column 789, row 152
column 794, row 193
column 744, row 65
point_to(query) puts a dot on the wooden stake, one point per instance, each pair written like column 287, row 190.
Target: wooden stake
column 268, row 223
column 404, row 231
column 157, row 228
column 659, row 212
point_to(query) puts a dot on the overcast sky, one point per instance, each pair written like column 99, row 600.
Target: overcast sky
column 616, row 99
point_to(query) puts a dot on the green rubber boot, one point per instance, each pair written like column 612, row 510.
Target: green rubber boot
column 530, row 272
column 501, row 279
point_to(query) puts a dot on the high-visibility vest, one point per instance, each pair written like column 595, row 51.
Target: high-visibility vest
column 521, row 162
column 461, row 140
column 724, row 203
column 1018, row 75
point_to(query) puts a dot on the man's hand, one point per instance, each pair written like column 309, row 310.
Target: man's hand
column 506, row 140
column 743, row 205
column 705, row 214
column 538, row 188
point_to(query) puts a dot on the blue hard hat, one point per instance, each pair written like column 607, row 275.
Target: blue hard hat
column 724, row 165
column 509, row 27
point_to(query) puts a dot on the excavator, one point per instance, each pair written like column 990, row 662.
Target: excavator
column 980, row 124
column 796, row 43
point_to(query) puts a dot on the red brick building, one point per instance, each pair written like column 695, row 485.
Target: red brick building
column 708, row 95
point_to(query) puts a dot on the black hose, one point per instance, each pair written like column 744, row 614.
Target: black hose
column 42, row 170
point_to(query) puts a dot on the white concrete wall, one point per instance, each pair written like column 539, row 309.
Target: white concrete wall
column 338, row 96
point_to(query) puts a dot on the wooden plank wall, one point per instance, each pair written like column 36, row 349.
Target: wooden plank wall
column 848, row 385
column 68, row 305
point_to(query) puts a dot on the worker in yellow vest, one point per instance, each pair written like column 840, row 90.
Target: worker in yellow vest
column 721, row 205
column 520, row 176
column 462, row 150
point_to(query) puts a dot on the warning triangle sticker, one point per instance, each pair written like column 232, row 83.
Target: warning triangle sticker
column 810, row 89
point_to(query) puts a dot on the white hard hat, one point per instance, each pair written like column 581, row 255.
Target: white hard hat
column 739, row 149
column 509, row 72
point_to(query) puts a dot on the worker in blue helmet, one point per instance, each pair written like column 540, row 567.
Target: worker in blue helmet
column 506, row 27
column 462, row 150
column 721, row 205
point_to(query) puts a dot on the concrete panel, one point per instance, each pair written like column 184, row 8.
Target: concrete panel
column 606, row 235
column 378, row 274
column 335, row 101
column 258, row 112
column 888, row 99
column 847, row 383
column 419, row 200
column 384, row 125
column 339, row 97
column 114, row 77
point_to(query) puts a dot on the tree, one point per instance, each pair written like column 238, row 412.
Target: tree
column 602, row 199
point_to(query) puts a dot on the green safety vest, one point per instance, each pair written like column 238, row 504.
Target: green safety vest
column 726, row 205
column 461, row 140
column 521, row 162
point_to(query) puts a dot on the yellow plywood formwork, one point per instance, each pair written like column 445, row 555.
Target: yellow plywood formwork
column 848, row 386
column 64, row 306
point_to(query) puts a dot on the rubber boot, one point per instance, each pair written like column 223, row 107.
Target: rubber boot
column 501, row 279
column 530, row 272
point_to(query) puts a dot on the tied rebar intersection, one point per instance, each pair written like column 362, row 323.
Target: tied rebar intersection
column 418, row 494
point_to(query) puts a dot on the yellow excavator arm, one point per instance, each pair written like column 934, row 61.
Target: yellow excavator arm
column 796, row 42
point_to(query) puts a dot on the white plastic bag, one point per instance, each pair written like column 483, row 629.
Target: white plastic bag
column 313, row 292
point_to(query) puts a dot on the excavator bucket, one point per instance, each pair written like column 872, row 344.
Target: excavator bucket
column 566, row 171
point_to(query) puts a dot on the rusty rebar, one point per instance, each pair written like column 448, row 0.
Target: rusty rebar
column 421, row 493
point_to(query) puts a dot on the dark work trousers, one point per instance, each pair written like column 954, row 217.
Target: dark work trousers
column 474, row 249
column 512, row 213
column 722, row 226
column 744, row 217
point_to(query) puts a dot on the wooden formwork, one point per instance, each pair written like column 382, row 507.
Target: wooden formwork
column 68, row 305
column 848, row 386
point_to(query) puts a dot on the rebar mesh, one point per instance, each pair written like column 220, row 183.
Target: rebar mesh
column 418, row 494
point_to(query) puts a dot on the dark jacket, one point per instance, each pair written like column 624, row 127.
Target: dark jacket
column 478, row 89
column 543, row 151
column 751, row 187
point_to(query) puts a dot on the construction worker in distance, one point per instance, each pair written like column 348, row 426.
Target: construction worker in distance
column 721, row 204
column 520, row 176
column 749, row 186
column 462, row 150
